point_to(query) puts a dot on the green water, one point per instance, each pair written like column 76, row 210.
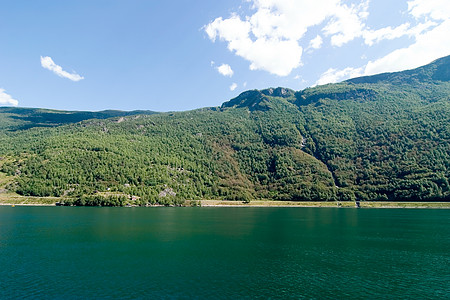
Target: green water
column 133, row 253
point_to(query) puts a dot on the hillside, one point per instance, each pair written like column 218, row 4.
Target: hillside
column 12, row 118
column 382, row 137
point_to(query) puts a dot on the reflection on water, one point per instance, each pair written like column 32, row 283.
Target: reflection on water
column 55, row 252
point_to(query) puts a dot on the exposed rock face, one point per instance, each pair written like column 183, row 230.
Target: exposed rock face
column 258, row 100
column 346, row 92
column 167, row 192
column 278, row 92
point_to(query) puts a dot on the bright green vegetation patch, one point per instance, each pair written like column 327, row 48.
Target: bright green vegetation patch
column 380, row 138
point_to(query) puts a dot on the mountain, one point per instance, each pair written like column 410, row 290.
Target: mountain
column 438, row 70
column 13, row 118
column 373, row 138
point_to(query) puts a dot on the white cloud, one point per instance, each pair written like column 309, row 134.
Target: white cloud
column 374, row 36
column 347, row 23
column 225, row 70
column 430, row 39
column 47, row 63
column 316, row 42
column 430, row 42
column 427, row 47
column 435, row 9
column 334, row 75
column 277, row 57
column 6, row 99
column 233, row 86
column 388, row 33
column 270, row 37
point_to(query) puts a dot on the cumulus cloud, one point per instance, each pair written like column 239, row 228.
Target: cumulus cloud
column 388, row 33
column 270, row 37
column 225, row 70
column 316, row 42
column 47, row 63
column 6, row 99
column 430, row 42
column 347, row 23
column 435, row 9
column 427, row 47
column 334, row 75
column 374, row 36
column 233, row 86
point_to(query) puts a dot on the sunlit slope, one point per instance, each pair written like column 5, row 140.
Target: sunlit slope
column 371, row 138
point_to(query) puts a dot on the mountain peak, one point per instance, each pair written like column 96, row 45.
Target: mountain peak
column 259, row 99
column 438, row 70
column 279, row 92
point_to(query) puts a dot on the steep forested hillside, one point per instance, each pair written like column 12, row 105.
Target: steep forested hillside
column 382, row 137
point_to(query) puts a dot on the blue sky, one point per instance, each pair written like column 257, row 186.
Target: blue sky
column 186, row 54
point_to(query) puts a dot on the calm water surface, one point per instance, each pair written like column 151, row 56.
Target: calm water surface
column 130, row 253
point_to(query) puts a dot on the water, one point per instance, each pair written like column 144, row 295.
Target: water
column 132, row 253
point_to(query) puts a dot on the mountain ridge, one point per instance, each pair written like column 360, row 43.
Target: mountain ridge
column 439, row 70
column 40, row 117
column 436, row 70
column 370, row 141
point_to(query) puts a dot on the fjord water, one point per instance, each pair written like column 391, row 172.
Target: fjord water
column 130, row 253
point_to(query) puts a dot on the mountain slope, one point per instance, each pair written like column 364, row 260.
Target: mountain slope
column 384, row 137
column 13, row 118
column 438, row 70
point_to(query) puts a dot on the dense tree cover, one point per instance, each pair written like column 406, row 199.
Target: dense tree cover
column 385, row 137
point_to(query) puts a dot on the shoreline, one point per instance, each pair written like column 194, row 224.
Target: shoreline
column 257, row 203
column 306, row 204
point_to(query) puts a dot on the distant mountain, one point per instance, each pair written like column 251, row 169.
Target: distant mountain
column 19, row 118
column 373, row 138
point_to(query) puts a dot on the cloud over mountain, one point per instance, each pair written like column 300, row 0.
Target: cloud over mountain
column 270, row 37
column 273, row 34
column 6, row 99
column 430, row 41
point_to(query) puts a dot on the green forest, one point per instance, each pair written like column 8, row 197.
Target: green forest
column 376, row 138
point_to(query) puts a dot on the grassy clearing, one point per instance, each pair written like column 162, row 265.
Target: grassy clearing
column 10, row 198
column 14, row 199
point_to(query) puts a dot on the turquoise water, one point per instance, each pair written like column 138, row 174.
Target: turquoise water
column 137, row 253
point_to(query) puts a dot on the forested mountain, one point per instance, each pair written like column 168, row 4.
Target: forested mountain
column 382, row 137
column 12, row 118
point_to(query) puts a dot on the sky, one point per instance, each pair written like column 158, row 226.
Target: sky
column 179, row 55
